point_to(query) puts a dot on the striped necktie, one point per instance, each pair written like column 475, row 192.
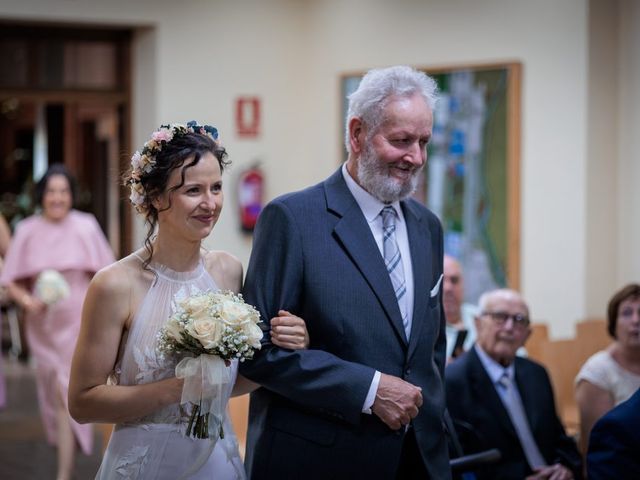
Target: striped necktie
column 393, row 261
column 513, row 404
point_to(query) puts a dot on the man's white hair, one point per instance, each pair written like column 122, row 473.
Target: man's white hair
column 378, row 85
column 487, row 297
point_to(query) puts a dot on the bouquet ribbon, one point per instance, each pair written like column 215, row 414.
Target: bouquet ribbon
column 205, row 378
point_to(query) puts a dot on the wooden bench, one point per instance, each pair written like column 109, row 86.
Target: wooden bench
column 563, row 360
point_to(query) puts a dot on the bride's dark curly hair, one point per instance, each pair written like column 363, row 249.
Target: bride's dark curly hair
column 183, row 151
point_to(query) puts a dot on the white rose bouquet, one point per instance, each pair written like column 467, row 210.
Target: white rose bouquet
column 211, row 328
column 51, row 287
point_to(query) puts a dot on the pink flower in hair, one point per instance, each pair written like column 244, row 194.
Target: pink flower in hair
column 143, row 162
column 164, row 134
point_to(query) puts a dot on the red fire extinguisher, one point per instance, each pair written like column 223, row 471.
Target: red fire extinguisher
column 250, row 197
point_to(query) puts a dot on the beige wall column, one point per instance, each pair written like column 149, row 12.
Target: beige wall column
column 629, row 150
column 601, row 266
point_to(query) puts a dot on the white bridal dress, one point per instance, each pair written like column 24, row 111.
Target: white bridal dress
column 155, row 446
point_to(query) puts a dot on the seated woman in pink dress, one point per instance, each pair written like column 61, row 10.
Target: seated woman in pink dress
column 69, row 247
column 611, row 376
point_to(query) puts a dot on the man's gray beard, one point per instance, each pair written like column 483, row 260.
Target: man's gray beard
column 374, row 178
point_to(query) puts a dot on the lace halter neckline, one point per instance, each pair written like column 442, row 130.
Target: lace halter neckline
column 173, row 275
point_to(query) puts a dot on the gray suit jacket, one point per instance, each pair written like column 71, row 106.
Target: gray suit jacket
column 315, row 256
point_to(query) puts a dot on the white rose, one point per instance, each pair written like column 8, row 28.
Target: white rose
column 173, row 329
column 206, row 330
column 196, row 306
column 235, row 314
column 254, row 334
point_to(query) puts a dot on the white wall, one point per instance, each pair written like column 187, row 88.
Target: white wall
column 193, row 58
column 629, row 147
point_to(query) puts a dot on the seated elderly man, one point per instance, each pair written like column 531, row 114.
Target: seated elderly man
column 499, row 400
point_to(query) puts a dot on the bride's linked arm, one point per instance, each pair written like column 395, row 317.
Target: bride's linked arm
column 108, row 307
column 287, row 330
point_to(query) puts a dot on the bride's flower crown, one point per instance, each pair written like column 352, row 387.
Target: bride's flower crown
column 143, row 162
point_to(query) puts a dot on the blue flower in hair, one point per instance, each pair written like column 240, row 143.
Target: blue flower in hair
column 204, row 129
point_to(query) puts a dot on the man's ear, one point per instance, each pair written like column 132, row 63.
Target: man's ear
column 356, row 135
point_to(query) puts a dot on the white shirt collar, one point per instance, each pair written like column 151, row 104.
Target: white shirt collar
column 369, row 204
column 493, row 368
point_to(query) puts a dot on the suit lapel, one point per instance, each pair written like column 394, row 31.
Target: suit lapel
column 485, row 391
column 354, row 234
column 420, row 248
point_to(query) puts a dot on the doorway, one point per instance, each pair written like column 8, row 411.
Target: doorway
column 65, row 98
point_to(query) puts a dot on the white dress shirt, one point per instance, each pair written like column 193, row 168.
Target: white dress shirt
column 371, row 208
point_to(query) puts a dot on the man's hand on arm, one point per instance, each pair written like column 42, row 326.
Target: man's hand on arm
column 397, row 401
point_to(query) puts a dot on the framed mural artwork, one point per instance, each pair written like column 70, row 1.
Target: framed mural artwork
column 472, row 178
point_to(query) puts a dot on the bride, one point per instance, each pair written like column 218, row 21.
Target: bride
column 118, row 374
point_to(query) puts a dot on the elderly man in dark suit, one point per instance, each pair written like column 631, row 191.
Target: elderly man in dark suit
column 361, row 262
column 506, row 402
column 614, row 443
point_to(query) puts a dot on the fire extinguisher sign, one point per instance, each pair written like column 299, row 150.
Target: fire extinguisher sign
column 248, row 116
column 250, row 197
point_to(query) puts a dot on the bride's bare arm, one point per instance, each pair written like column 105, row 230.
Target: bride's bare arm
column 243, row 385
column 107, row 308
column 287, row 331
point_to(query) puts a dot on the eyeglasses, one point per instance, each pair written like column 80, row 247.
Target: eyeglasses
column 500, row 318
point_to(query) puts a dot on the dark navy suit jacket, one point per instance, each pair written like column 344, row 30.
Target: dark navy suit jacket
column 474, row 403
column 315, row 256
column 614, row 443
